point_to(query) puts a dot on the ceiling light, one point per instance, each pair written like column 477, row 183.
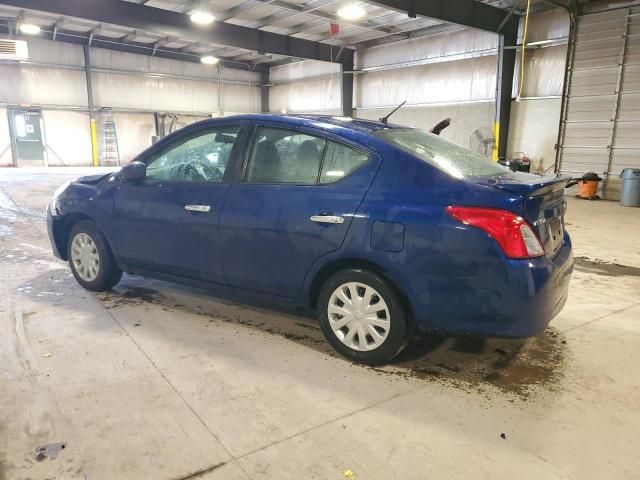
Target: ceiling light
column 352, row 11
column 201, row 17
column 29, row 28
column 209, row 60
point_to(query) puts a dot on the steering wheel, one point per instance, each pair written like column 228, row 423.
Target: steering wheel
column 188, row 171
column 214, row 172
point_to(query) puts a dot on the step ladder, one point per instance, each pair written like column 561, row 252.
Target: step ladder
column 110, row 155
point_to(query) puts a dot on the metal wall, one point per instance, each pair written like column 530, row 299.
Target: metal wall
column 6, row 157
column 601, row 124
column 450, row 74
column 133, row 86
column 308, row 86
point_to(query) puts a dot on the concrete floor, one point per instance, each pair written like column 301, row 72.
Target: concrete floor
column 158, row 381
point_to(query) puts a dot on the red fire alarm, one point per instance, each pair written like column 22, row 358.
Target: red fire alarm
column 334, row 28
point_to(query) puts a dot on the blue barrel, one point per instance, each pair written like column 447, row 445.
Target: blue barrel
column 630, row 195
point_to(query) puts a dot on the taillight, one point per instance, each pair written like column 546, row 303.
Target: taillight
column 512, row 232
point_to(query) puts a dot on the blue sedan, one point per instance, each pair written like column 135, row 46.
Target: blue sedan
column 382, row 229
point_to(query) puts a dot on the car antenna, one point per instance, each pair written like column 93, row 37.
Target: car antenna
column 386, row 119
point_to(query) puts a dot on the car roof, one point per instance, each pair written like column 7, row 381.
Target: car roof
column 357, row 124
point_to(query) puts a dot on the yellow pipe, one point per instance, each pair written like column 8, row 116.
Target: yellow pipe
column 524, row 44
column 496, row 135
column 94, row 143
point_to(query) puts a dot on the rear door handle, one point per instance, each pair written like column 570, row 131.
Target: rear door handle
column 198, row 208
column 326, row 219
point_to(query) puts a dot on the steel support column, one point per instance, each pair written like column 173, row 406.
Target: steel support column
column 504, row 86
column 264, row 92
column 568, row 73
column 346, row 67
column 92, row 119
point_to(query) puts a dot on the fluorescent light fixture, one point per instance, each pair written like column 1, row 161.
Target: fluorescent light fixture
column 29, row 29
column 209, row 60
column 201, row 17
column 352, row 11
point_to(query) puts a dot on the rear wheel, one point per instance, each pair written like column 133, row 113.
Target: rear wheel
column 362, row 316
column 90, row 258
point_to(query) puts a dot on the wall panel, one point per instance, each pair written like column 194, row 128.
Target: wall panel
column 534, row 131
column 6, row 158
column 307, row 96
column 543, row 74
column 136, row 92
column 111, row 59
column 460, row 81
column 68, row 138
column 37, row 86
column 451, row 46
column 302, row 70
column 134, row 131
column 465, row 118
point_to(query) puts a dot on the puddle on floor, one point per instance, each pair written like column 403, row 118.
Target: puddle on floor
column 518, row 368
column 602, row 267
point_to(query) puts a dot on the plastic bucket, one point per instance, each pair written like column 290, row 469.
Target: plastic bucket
column 630, row 194
column 588, row 188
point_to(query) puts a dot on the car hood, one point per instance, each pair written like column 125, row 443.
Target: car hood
column 91, row 179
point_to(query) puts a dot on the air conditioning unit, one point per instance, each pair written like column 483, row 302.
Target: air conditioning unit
column 13, row 49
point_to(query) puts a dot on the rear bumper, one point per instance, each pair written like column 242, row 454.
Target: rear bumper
column 53, row 224
column 518, row 303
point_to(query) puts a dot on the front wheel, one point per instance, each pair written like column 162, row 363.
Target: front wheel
column 362, row 316
column 90, row 258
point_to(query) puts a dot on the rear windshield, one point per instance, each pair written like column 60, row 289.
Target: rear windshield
column 448, row 157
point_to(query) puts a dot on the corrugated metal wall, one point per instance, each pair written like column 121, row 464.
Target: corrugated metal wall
column 450, row 74
column 601, row 125
column 132, row 85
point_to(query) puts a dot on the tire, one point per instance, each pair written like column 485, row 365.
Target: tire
column 390, row 321
column 90, row 259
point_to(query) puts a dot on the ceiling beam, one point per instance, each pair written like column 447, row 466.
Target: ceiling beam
column 293, row 9
column 419, row 32
column 155, row 49
column 239, row 9
column 165, row 22
column 469, row 13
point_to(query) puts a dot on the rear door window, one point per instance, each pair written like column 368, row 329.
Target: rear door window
column 339, row 161
column 286, row 156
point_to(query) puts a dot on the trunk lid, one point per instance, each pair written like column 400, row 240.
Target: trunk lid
column 543, row 203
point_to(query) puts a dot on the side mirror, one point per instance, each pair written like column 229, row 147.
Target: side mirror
column 133, row 171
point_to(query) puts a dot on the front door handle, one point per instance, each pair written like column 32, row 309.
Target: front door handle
column 326, row 219
column 198, row 208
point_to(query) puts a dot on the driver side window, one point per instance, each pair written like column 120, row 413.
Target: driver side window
column 201, row 157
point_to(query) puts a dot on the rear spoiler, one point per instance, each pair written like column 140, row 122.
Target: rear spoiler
column 526, row 184
column 533, row 187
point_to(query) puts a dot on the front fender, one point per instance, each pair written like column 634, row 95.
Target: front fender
column 79, row 201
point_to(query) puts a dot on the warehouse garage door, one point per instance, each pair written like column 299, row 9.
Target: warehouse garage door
column 601, row 124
